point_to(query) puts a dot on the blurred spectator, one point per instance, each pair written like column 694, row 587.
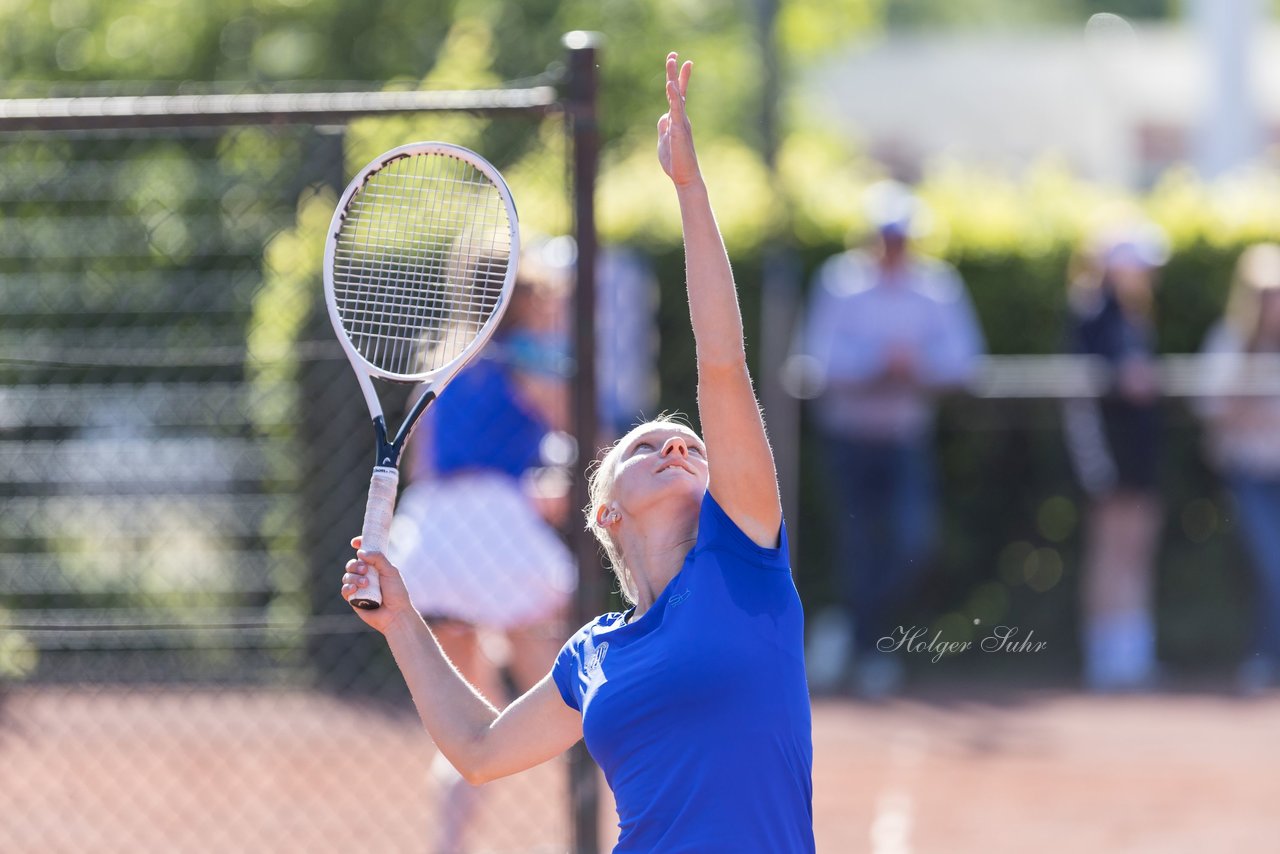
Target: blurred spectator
column 1114, row 444
column 1244, row 439
column 887, row 331
column 475, row 532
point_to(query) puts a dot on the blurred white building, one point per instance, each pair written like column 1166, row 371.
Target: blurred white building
column 1119, row 104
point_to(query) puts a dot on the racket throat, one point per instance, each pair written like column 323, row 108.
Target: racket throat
column 388, row 449
column 388, row 453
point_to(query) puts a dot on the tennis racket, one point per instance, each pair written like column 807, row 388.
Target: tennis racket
column 419, row 265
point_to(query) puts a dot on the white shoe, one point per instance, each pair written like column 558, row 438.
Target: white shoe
column 1120, row 653
column 826, row 655
column 877, row 676
column 1255, row 675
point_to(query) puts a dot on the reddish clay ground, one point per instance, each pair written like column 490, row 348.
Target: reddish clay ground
column 85, row 770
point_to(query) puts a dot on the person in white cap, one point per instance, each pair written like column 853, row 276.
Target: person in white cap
column 887, row 331
column 1114, row 444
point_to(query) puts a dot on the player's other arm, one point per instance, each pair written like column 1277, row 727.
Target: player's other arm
column 481, row 742
column 743, row 478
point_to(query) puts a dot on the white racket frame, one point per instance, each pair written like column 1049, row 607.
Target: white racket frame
column 384, row 484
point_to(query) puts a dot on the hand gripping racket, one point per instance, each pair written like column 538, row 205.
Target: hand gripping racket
column 418, row 268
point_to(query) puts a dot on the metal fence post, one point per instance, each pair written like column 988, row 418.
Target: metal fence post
column 582, row 83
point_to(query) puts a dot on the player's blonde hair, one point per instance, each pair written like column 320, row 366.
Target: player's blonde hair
column 600, row 489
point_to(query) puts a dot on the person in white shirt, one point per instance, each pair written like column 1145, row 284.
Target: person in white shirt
column 887, row 332
column 1243, row 438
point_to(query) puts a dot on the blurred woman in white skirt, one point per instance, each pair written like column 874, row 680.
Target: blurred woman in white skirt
column 475, row 532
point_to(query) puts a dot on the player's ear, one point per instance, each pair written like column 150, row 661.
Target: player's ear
column 607, row 515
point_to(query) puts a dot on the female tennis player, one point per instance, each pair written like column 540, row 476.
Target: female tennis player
column 693, row 701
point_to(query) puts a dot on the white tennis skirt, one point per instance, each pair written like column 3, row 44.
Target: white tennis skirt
column 471, row 547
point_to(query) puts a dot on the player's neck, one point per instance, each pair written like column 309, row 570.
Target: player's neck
column 654, row 554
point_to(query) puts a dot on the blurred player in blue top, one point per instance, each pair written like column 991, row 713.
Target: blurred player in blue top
column 694, row 699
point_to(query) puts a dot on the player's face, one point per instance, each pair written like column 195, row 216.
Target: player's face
column 660, row 462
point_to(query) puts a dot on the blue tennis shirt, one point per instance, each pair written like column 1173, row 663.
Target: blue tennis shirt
column 698, row 711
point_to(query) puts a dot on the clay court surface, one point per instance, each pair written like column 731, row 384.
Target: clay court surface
column 989, row 771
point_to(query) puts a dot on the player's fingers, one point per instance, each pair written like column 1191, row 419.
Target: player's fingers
column 351, row 579
column 355, row 541
column 375, row 559
column 685, row 71
column 664, row 123
column 672, row 59
column 356, row 566
column 676, row 102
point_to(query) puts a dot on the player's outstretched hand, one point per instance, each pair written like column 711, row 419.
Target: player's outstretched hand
column 675, row 135
column 395, row 598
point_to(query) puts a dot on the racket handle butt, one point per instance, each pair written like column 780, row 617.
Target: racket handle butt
column 378, row 513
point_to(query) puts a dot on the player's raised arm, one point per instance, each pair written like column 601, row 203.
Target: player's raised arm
column 744, row 481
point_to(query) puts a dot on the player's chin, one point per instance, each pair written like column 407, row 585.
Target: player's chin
column 663, row 488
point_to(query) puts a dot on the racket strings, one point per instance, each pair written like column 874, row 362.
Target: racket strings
column 420, row 262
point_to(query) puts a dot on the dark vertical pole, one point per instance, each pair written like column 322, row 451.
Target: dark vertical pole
column 766, row 35
column 335, row 476
column 581, row 107
column 779, row 296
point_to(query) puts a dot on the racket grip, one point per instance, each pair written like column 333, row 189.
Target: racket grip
column 377, row 530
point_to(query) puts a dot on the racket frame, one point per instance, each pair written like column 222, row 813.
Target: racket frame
column 388, row 448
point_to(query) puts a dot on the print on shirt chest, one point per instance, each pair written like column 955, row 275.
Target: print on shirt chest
column 690, row 655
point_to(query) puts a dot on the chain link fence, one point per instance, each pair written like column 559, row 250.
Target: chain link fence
column 184, row 455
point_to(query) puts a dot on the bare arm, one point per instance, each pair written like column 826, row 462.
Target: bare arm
column 478, row 740
column 744, row 480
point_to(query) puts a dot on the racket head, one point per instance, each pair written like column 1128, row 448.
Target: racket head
column 420, row 260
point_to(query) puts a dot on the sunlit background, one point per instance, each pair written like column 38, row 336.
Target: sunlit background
column 183, row 453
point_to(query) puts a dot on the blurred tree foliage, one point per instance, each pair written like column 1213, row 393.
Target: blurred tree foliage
column 923, row 14
column 47, row 46
column 224, row 41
